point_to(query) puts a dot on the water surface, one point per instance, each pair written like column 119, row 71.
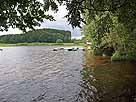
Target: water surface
column 106, row 81
column 39, row 74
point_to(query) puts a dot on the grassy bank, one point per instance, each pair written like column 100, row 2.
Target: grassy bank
column 122, row 56
column 6, row 45
column 41, row 44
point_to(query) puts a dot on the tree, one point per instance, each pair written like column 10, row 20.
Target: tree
column 59, row 41
column 111, row 24
column 39, row 35
column 22, row 14
column 28, row 13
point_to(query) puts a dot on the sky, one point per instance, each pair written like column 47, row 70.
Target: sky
column 60, row 23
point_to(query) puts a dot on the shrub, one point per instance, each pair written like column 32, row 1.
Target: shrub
column 59, row 41
column 97, row 52
column 121, row 56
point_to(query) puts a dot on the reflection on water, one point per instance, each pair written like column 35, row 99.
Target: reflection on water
column 105, row 81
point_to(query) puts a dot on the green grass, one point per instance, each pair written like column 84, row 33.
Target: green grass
column 40, row 44
column 129, row 56
column 6, row 45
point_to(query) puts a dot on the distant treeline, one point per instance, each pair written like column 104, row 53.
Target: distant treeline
column 39, row 35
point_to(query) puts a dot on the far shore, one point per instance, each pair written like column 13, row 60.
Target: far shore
column 40, row 44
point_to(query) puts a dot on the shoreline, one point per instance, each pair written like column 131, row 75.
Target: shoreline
column 40, row 44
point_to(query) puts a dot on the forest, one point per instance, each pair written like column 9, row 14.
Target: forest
column 40, row 35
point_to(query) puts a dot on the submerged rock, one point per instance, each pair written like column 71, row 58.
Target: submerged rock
column 73, row 49
column 56, row 49
column 1, row 49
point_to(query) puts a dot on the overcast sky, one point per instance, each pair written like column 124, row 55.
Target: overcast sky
column 60, row 23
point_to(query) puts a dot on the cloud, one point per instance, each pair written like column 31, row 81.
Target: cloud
column 60, row 23
column 11, row 31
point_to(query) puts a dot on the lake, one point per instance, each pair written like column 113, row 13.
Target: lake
column 39, row 74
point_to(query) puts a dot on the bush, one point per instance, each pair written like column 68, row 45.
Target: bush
column 59, row 41
column 122, row 56
column 97, row 52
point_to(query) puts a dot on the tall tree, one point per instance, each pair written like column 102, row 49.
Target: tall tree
column 28, row 13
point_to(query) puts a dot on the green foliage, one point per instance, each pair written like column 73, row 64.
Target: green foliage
column 22, row 14
column 59, row 41
column 39, row 35
column 77, row 41
column 38, row 44
column 97, row 52
column 94, row 34
column 105, row 31
column 121, row 56
column 25, row 14
column 117, row 57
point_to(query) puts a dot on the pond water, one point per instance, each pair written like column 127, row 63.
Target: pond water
column 39, row 74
